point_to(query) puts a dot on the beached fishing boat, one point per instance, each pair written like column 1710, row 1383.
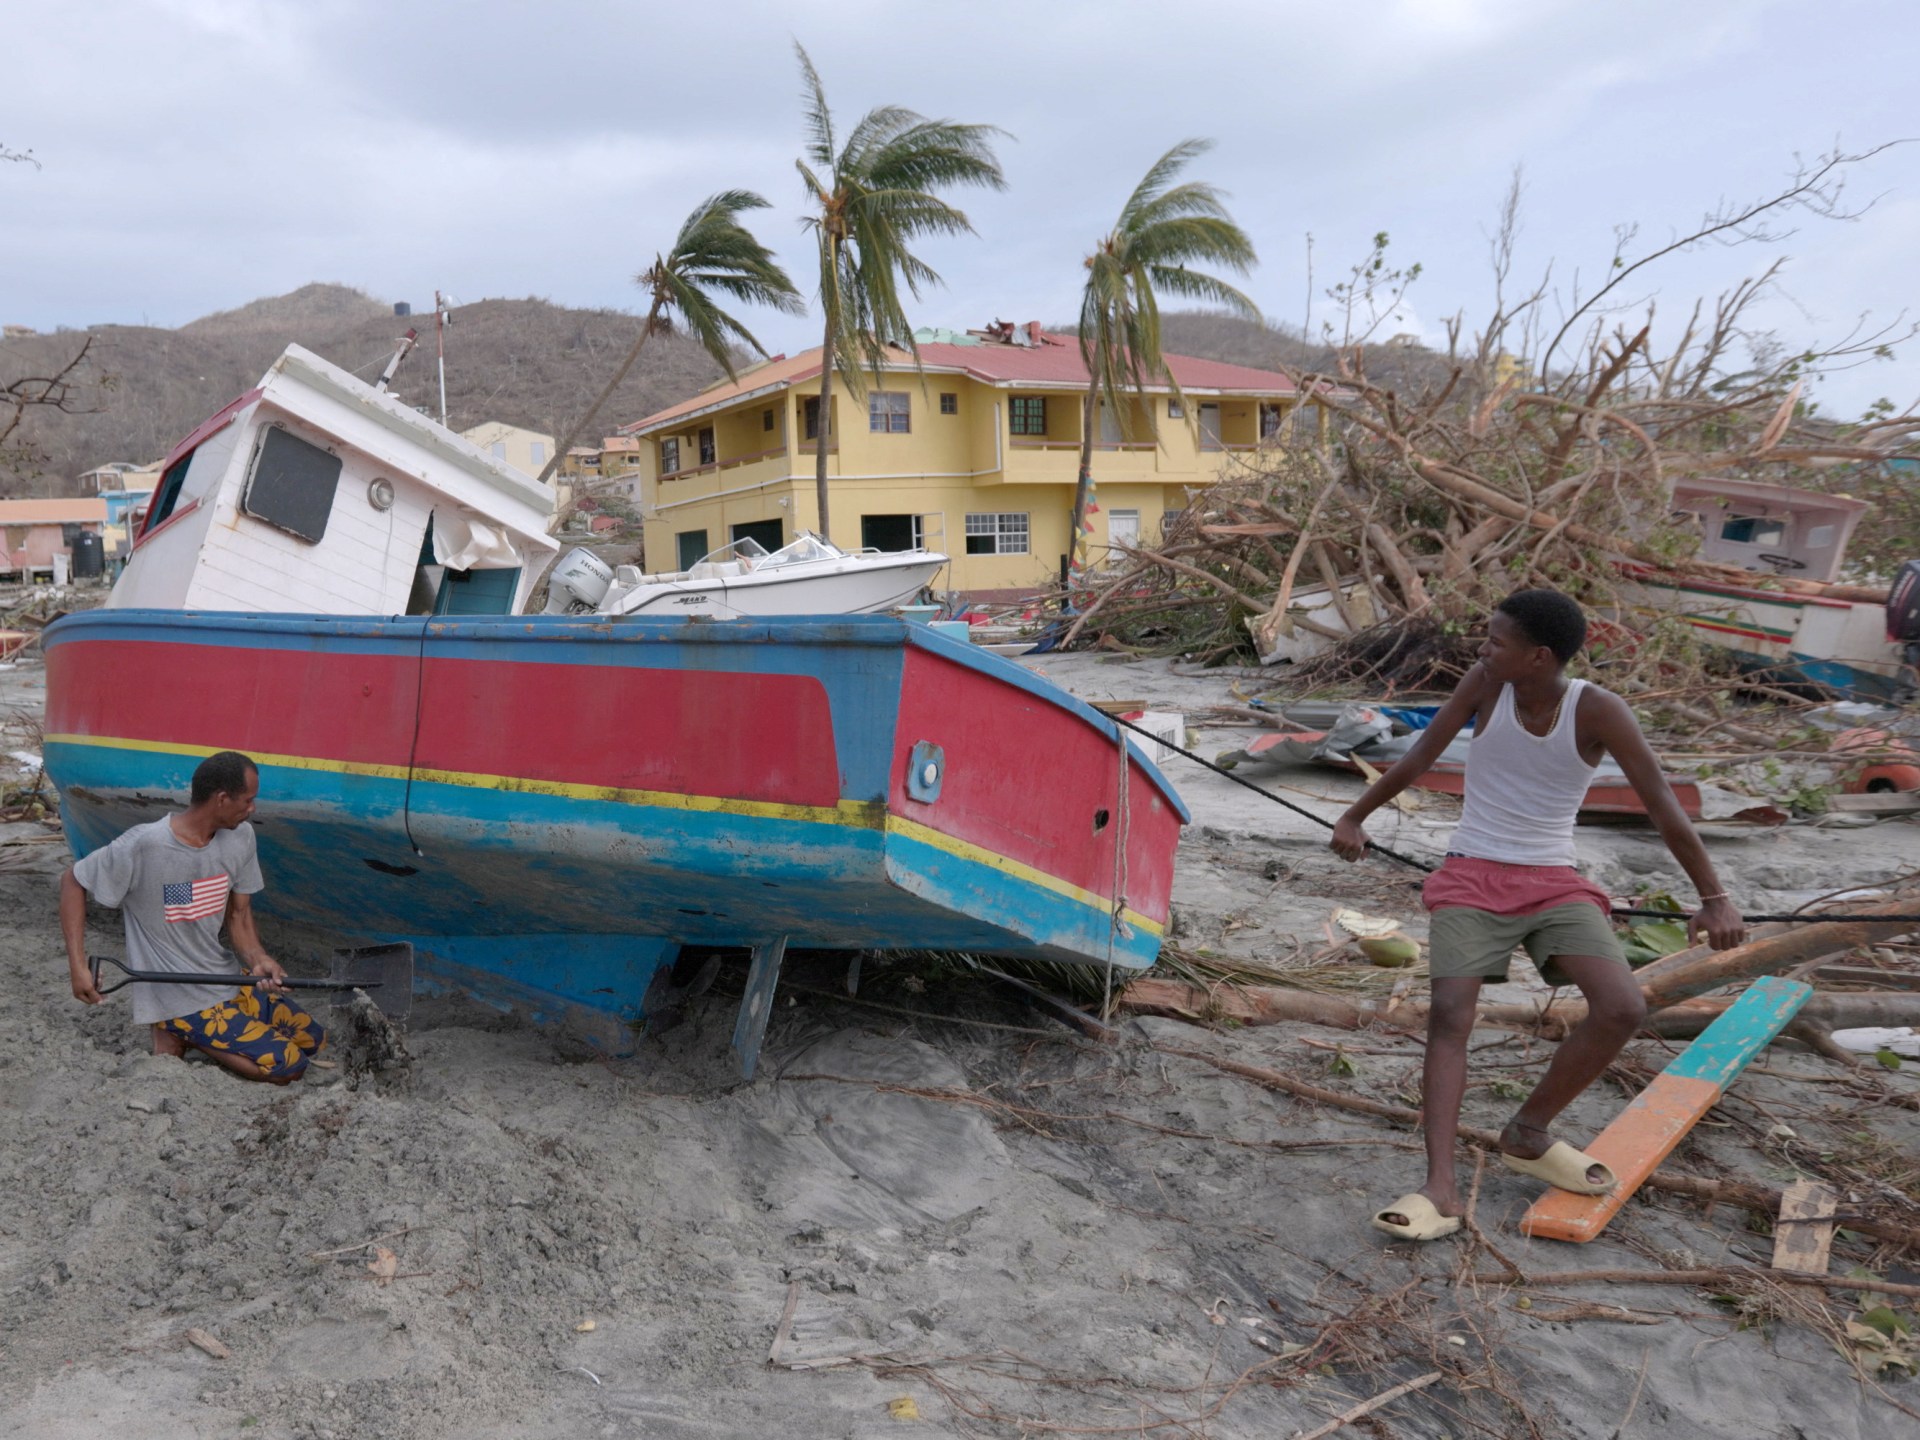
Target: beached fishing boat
column 1780, row 627
column 549, row 808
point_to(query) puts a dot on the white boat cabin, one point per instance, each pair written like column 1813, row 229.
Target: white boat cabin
column 316, row 494
column 1770, row 529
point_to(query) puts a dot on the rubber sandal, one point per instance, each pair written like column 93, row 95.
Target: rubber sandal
column 1564, row 1168
column 1424, row 1220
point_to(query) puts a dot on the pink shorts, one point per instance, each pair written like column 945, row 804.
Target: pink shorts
column 1466, row 882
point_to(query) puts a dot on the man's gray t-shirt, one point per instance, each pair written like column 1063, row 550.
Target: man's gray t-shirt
column 173, row 899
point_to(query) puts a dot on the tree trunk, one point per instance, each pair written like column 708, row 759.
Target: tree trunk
column 566, row 443
column 1089, row 412
column 1553, row 1019
column 822, row 430
column 1693, row 972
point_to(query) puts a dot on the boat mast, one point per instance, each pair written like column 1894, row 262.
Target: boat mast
column 442, row 317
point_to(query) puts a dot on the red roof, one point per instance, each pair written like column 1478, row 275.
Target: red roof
column 1055, row 363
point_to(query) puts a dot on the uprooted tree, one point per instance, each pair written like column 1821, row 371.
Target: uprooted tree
column 1540, row 449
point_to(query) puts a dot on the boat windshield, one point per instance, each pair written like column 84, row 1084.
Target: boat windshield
column 745, row 548
column 807, row 546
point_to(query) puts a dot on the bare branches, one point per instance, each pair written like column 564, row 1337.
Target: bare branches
column 1817, row 188
column 57, row 391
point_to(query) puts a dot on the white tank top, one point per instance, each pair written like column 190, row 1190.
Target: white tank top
column 1523, row 790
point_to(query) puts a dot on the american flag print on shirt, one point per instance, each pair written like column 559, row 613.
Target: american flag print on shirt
column 195, row 900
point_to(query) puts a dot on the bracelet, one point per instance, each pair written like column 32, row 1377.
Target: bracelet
column 1722, row 895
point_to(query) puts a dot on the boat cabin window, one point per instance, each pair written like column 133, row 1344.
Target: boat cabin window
column 1753, row 530
column 166, row 495
column 292, row 485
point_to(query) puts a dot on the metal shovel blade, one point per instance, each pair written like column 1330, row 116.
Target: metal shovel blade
column 386, row 971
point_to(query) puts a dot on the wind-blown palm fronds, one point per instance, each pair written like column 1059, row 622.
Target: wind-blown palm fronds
column 1163, row 229
column 871, row 198
column 713, row 257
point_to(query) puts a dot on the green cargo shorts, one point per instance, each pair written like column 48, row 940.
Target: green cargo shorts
column 1477, row 944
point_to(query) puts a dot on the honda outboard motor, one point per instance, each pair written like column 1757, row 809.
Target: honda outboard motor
column 578, row 583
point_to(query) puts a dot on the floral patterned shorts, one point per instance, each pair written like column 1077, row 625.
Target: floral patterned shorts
column 260, row 1027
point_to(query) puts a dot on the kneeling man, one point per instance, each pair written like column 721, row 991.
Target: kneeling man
column 177, row 882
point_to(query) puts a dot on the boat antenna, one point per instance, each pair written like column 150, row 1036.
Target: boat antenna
column 406, row 344
column 442, row 317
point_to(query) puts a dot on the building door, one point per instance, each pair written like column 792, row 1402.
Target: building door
column 1209, row 427
column 769, row 535
column 890, row 532
column 691, row 546
column 1109, row 425
column 1123, row 528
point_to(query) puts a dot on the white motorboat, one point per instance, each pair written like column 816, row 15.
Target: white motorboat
column 810, row 576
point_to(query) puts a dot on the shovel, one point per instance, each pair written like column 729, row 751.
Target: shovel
column 377, row 967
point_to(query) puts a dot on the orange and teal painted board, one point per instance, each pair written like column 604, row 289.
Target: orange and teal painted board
column 1647, row 1131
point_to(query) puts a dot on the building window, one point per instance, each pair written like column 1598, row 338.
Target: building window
column 766, row 419
column 499, row 448
column 949, row 403
column 539, row 451
column 691, row 546
column 706, row 445
column 891, row 532
column 1027, row 414
column 1175, row 410
column 669, row 455
column 810, row 418
column 1169, row 519
column 887, row 412
column 997, row 534
column 1272, row 418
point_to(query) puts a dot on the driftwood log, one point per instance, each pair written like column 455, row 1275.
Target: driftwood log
column 1553, row 1018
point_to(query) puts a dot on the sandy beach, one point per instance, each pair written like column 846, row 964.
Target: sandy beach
column 936, row 1208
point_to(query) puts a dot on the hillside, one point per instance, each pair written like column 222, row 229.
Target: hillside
column 526, row 362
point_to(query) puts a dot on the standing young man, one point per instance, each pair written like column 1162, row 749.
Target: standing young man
column 1509, row 880
column 177, row 881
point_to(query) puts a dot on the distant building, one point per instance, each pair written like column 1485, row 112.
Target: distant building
column 975, row 454
column 525, row 450
column 32, row 532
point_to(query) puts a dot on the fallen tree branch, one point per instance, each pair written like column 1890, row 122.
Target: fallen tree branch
column 1708, row 1278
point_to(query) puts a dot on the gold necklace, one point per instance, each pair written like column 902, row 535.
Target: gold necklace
column 1554, row 723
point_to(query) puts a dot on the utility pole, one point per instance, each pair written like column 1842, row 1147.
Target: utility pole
column 442, row 317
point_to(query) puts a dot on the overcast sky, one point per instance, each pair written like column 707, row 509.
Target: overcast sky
column 197, row 154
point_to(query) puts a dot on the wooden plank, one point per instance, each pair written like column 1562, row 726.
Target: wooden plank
column 1647, row 1131
column 1878, row 802
column 1804, row 1232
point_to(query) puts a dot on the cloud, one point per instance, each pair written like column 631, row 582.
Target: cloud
column 199, row 153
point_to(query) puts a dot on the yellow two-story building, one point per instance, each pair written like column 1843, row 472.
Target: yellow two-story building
column 974, row 453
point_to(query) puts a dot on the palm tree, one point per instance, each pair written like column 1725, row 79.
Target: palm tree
column 714, row 254
column 1162, row 229
column 872, row 197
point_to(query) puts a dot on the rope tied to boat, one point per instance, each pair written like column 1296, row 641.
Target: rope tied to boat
column 1117, row 927
column 1795, row 918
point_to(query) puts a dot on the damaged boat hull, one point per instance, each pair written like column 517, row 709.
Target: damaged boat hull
column 549, row 807
column 1838, row 647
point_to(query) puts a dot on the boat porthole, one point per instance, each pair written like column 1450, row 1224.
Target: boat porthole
column 1100, row 818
